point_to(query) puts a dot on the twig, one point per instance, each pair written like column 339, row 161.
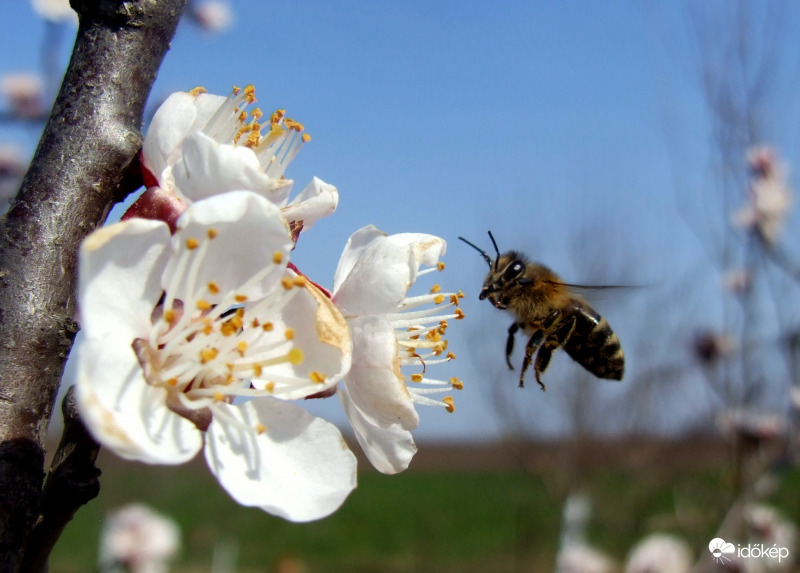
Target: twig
column 72, row 482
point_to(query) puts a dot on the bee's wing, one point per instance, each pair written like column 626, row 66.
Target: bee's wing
column 595, row 292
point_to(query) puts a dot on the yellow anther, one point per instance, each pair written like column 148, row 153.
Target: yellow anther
column 208, row 354
column 255, row 323
column 250, row 94
column 438, row 299
column 219, row 396
column 260, row 428
column 172, row 382
column 306, row 138
column 438, row 349
column 317, row 377
column 456, row 383
column 459, row 314
column 292, row 124
column 236, row 90
column 192, row 243
column 241, row 346
column 277, row 257
column 213, row 288
column 448, row 400
column 300, row 281
column 287, row 283
column 269, row 387
column 208, row 328
column 240, row 298
column 295, row 356
column 203, row 304
column 416, row 377
column 289, row 333
column 212, row 233
column 267, row 327
column 436, row 288
column 257, row 370
column 194, row 92
column 440, row 265
column 256, row 113
column 169, row 315
column 253, row 139
column 277, row 116
column 450, row 356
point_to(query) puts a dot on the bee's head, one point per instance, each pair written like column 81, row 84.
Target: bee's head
column 506, row 271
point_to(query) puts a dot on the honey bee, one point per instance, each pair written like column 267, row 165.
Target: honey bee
column 549, row 312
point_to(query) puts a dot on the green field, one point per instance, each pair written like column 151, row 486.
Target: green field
column 443, row 519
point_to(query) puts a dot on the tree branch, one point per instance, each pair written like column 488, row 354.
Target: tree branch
column 73, row 481
column 88, row 144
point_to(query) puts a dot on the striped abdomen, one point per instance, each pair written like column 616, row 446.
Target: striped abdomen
column 594, row 345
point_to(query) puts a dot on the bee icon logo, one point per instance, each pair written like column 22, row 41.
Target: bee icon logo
column 720, row 549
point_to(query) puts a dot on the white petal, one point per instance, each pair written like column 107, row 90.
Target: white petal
column 250, row 231
column 123, row 412
column 381, row 277
column 299, row 468
column 119, row 277
column 356, row 246
column 180, row 114
column 375, row 382
column 321, row 333
column 207, row 168
column 317, row 200
column 390, row 449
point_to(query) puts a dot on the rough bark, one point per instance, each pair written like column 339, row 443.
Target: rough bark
column 87, row 150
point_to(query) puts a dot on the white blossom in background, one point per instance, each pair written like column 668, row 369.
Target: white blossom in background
column 751, row 425
column 137, row 539
column 392, row 330
column 24, row 94
column 737, row 281
column 176, row 327
column 199, row 145
column 212, row 16
column 767, row 527
column 769, row 198
column 584, row 559
column 55, row 10
column 660, row 553
column 13, row 166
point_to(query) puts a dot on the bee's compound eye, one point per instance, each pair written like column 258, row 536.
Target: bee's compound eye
column 514, row 270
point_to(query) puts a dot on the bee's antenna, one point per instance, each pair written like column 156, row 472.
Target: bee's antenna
column 496, row 250
column 481, row 251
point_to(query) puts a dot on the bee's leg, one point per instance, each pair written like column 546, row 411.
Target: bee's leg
column 555, row 339
column 533, row 343
column 542, row 362
column 512, row 330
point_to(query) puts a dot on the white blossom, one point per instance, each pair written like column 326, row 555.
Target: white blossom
column 199, row 145
column 392, row 330
column 176, row 327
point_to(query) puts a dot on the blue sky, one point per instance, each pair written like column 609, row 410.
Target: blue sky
column 567, row 128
